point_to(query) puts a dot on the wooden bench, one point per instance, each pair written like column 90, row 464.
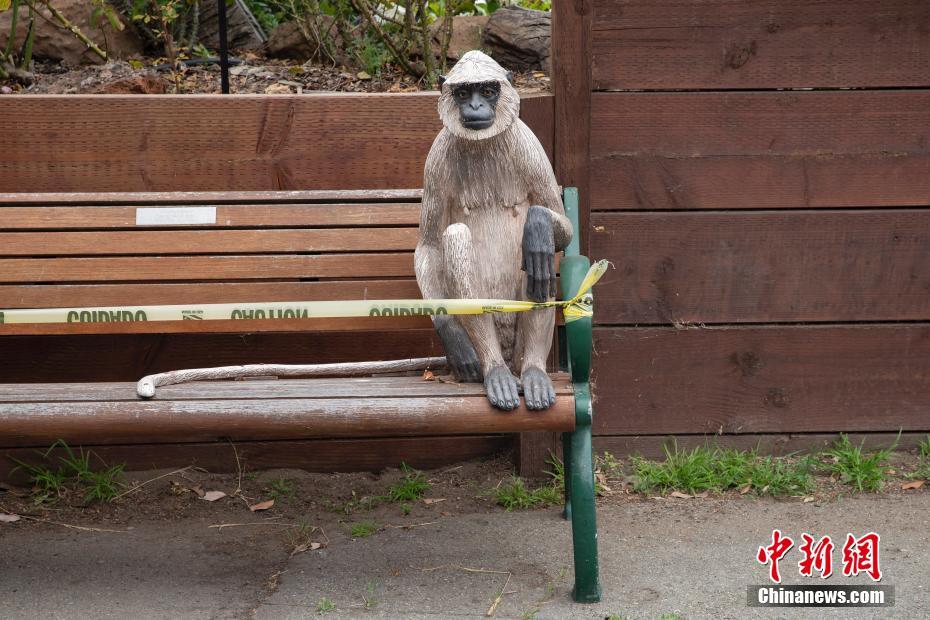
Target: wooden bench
column 131, row 249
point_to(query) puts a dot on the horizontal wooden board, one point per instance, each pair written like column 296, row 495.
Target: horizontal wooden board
column 80, row 358
column 256, row 389
column 158, row 420
column 45, row 217
column 192, row 242
column 654, row 446
column 168, row 268
column 180, row 197
column 716, row 44
column 322, row 455
column 760, row 150
column 776, row 379
column 97, row 143
column 769, row 266
column 89, row 295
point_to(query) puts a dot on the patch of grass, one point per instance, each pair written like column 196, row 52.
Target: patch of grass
column 405, row 509
column 715, row 469
column 369, row 600
column 609, row 464
column 302, row 534
column 75, row 471
column 529, row 614
column 924, row 448
column 514, row 495
column 671, row 616
column 862, row 469
column 324, row 606
column 363, row 529
column 281, row 489
column 354, row 503
column 410, row 488
column 616, row 617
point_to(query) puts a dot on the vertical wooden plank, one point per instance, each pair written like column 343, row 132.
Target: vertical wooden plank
column 571, row 74
column 571, row 71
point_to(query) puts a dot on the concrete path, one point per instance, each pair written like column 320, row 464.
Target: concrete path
column 692, row 557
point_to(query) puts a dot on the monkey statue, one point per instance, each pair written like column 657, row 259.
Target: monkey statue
column 491, row 222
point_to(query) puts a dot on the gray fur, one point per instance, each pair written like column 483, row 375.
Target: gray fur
column 478, row 187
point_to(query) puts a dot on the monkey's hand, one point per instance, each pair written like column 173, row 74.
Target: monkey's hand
column 502, row 388
column 539, row 254
column 460, row 353
column 537, row 389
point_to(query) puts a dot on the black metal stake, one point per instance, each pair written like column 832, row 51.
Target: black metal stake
column 224, row 47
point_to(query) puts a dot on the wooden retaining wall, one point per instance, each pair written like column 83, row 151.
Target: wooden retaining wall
column 759, row 174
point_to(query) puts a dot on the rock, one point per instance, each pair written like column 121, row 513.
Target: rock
column 243, row 31
column 278, row 89
column 286, row 41
column 466, row 34
column 58, row 44
column 145, row 84
column 519, row 38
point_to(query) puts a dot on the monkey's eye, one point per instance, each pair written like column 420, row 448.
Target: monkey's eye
column 487, row 92
column 461, row 94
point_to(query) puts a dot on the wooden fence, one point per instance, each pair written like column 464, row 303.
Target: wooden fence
column 759, row 174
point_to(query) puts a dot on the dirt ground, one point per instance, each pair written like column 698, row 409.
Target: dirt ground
column 163, row 551
column 252, row 74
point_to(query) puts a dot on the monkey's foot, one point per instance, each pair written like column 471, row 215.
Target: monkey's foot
column 537, row 389
column 502, row 388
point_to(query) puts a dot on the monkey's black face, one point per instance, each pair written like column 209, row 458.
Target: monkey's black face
column 477, row 103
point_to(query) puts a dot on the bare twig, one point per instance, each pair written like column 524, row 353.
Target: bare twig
column 67, row 25
column 404, row 527
column 71, row 526
column 220, row 526
column 500, row 597
column 142, row 484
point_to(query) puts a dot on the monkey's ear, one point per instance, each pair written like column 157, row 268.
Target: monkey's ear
column 510, row 77
column 440, row 80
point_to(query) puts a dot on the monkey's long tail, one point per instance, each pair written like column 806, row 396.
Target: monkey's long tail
column 145, row 388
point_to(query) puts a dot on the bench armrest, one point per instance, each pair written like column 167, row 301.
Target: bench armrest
column 573, row 267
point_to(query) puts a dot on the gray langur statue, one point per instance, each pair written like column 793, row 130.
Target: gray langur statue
column 491, row 211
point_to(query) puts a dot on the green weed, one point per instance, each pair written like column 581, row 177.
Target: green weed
column 924, row 448
column 324, row 606
column 514, row 495
column 410, row 488
column 281, row 489
column 369, row 600
column 363, row 529
column 75, row 470
column 715, row 469
column 865, row 470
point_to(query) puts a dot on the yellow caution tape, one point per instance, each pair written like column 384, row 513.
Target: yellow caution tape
column 575, row 308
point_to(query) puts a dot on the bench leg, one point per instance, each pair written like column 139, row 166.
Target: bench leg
column 567, row 473
column 584, row 523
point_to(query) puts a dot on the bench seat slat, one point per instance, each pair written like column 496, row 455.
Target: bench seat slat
column 41, row 217
column 95, row 295
column 335, row 387
column 205, row 268
column 194, row 242
column 91, row 198
column 187, row 420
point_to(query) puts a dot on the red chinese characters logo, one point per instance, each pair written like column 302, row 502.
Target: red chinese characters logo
column 860, row 555
column 773, row 553
column 817, row 557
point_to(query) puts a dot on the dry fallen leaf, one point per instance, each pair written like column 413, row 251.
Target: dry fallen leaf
column 198, row 490
column 431, row 500
column 702, row 494
column 445, row 514
column 265, row 505
column 5, row 518
column 916, row 484
column 212, row 496
column 679, row 495
column 745, row 489
column 808, row 499
column 313, row 546
column 428, row 375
